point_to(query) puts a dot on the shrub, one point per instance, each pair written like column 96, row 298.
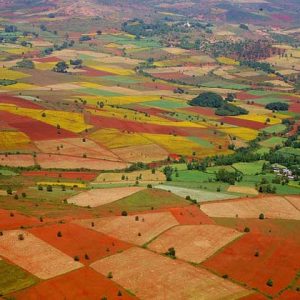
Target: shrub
column 124, row 213
column 59, row 234
column 246, row 229
column 110, row 275
column 171, row 252
column 21, row 237
column 76, row 258
column 261, row 216
column 269, row 282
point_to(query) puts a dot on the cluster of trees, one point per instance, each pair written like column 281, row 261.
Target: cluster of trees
column 265, row 187
column 263, row 66
column 61, row 67
column 6, row 82
column 139, row 28
column 279, row 106
column 223, row 108
column 228, row 177
column 26, row 64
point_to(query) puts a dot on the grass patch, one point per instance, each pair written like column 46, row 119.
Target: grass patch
column 251, row 168
column 13, row 278
column 278, row 128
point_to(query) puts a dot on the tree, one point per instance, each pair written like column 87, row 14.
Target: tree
column 124, row 213
column 61, row 67
column 26, row 64
column 59, row 234
column 168, row 171
column 261, row 216
column 9, row 191
column 207, row 99
column 269, row 282
column 49, row 188
column 171, row 252
column 279, row 106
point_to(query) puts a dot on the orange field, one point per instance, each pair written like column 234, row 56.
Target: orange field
column 97, row 197
column 83, row 284
column 16, row 160
column 137, row 229
column 79, row 241
column 270, row 206
column 194, row 243
column 152, row 276
column 34, row 255
column 278, row 259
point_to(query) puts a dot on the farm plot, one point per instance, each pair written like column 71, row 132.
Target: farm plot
column 145, row 200
column 17, row 160
column 52, row 161
column 26, row 125
column 194, row 243
column 295, row 200
column 84, row 283
column 75, row 147
column 278, row 260
column 13, row 278
column 273, row 141
column 97, row 197
column 190, row 215
column 13, row 220
column 75, row 240
column 243, row 133
column 251, row 168
column 20, row 102
column 147, row 275
column 71, row 121
column 198, row 195
column 12, row 140
column 136, row 229
column 144, row 153
column 86, row 176
column 113, row 138
column 242, row 190
column 145, row 176
column 274, row 207
column 34, row 255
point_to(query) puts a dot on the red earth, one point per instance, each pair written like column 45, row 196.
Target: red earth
column 18, row 102
column 168, row 76
column 67, row 175
column 243, row 123
column 190, row 215
column 47, row 59
column 78, row 241
column 35, row 129
column 131, row 126
column 82, row 284
column 13, row 220
column 246, row 96
column 278, row 260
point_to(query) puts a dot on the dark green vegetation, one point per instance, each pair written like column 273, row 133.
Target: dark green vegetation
column 213, row 100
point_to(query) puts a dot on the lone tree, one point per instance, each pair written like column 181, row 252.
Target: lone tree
column 171, row 252
column 61, row 67
column 261, row 216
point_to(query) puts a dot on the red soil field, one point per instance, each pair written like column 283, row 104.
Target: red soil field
column 82, row 284
column 243, row 123
column 295, row 107
column 200, row 110
column 77, row 240
column 279, row 260
column 14, row 220
column 160, row 86
column 47, row 59
column 290, row 295
column 67, row 175
column 18, row 102
column 131, row 126
column 254, row 297
column 36, row 130
column 190, row 215
column 94, row 73
column 246, row 96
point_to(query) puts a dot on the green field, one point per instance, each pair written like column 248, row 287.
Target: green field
column 278, row 128
column 201, row 142
column 273, row 141
column 251, row 168
column 290, row 151
column 145, row 200
column 167, row 104
column 13, row 278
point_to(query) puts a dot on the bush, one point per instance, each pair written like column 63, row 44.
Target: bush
column 49, row 188
column 269, row 282
column 261, row 216
column 59, row 234
column 76, row 258
column 124, row 213
column 246, row 229
column 110, row 275
column 171, row 252
column 21, row 237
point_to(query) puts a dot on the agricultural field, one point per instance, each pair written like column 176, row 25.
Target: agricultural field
column 149, row 150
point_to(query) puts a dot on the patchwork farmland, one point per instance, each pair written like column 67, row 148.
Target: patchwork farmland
column 149, row 150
